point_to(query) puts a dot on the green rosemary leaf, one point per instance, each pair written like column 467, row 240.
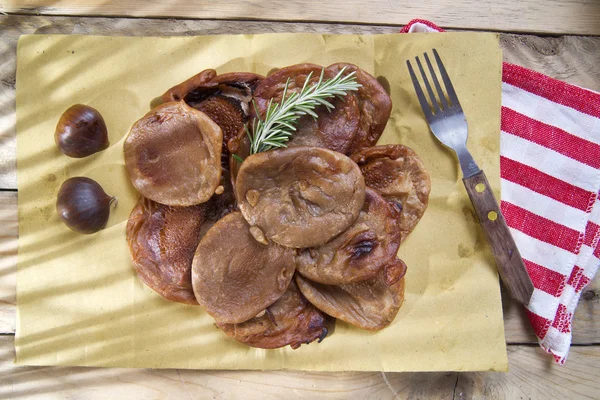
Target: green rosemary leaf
column 276, row 127
column 237, row 158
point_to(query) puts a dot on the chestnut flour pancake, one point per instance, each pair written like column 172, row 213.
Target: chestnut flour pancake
column 162, row 241
column 234, row 276
column 398, row 174
column 300, row 196
column 360, row 251
column 333, row 130
column 291, row 320
column 374, row 104
column 173, row 155
column 369, row 304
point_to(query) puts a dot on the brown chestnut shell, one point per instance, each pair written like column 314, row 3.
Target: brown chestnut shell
column 83, row 205
column 81, row 132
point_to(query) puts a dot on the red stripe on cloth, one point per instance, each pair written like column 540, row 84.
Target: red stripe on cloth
column 551, row 137
column 554, row 90
column 430, row 24
column 563, row 318
column 545, row 279
column 560, row 360
column 597, row 251
column 540, row 228
column 583, row 282
column 540, row 324
column 575, row 276
column 592, row 231
column 545, row 184
column 578, row 280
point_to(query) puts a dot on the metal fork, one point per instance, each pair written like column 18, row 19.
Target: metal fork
column 449, row 125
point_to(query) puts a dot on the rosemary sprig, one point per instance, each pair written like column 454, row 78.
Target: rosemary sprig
column 280, row 119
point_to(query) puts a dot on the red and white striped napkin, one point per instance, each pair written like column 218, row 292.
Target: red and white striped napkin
column 550, row 179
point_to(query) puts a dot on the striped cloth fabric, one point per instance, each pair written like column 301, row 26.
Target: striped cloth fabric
column 550, row 177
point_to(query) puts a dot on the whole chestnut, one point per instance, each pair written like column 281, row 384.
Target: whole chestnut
column 83, row 205
column 81, row 132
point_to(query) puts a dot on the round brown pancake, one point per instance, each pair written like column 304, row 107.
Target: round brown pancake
column 333, row 130
column 173, row 155
column 291, row 320
column 374, row 104
column 234, row 276
column 399, row 175
column 300, row 196
column 370, row 304
column 360, row 251
column 162, row 241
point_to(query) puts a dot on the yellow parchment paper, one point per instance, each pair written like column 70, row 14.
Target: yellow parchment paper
column 79, row 300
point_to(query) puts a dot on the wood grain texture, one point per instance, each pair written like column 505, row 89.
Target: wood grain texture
column 556, row 16
column 9, row 231
column 531, row 376
column 506, row 254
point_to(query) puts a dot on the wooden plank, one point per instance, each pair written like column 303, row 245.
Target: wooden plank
column 9, row 231
column 573, row 59
column 105, row 383
column 531, row 375
column 556, row 17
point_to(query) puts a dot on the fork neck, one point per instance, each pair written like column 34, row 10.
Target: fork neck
column 467, row 163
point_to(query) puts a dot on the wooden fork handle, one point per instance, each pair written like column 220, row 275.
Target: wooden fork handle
column 508, row 259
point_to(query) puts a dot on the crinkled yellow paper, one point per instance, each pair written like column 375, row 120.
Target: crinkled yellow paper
column 79, row 301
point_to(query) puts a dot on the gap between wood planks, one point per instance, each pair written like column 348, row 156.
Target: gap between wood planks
column 284, row 22
column 534, row 16
column 271, row 21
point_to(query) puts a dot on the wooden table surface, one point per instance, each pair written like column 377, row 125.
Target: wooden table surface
column 532, row 373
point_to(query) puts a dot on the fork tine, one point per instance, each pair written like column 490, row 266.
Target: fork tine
column 436, row 82
column 434, row 102
column 446, row 79
column 419, row 90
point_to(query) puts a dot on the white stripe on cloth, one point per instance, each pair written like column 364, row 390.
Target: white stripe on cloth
column 549, row 162
column 585, row 258
column 566, row 118
column 543, row 206
column 544, row 254
column 591, row 267
column 557, row 342
column 543, row 304
column 595, row 214
column 570, row 298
